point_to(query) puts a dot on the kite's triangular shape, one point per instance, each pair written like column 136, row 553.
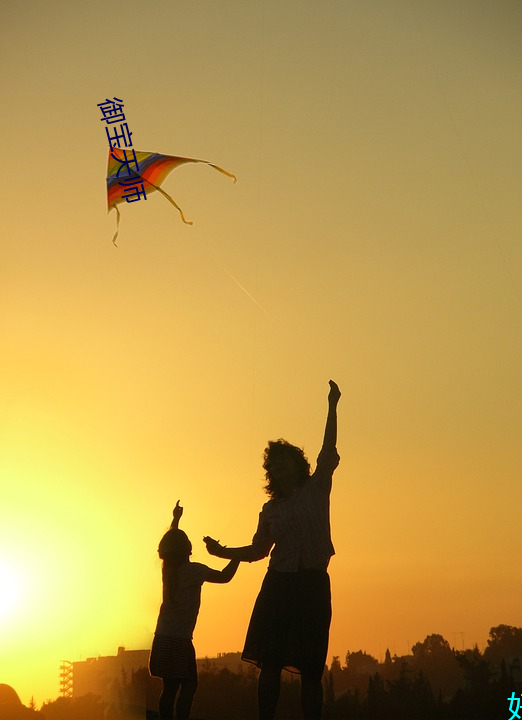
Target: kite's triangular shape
column 149, row 170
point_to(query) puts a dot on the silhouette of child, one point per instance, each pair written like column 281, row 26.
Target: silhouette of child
column 172, row 657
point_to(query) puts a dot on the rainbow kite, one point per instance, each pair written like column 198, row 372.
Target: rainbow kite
column 132, row 175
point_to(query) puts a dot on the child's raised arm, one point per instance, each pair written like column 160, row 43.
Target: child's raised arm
column 176, row 516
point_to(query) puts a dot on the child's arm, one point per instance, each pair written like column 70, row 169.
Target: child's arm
column 176, row 516
column 223, row 576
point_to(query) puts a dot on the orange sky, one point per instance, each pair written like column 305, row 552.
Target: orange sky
column 373, row 237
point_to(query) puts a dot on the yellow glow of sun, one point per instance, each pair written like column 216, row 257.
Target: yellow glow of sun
column 10, row 589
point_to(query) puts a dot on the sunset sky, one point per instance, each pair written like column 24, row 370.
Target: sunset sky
column 373, row 237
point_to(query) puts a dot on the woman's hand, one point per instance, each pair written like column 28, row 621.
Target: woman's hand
column 334, row 394
column 213, row 546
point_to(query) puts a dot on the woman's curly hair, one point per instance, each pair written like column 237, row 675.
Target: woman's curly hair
column 274, row 448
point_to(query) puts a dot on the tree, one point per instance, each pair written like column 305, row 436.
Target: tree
column 433, row 646
column 86, row 707
column 476, row 670
column 339, row 676
column 505, row 641
column 435, row 659
column 377, row 696
column 361, row 662
column 360, row 666
column 485, row 688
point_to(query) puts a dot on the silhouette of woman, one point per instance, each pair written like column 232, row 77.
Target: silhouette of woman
column 172, row 656
column 291, row 617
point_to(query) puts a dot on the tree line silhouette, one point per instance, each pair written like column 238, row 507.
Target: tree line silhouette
column 434, row 682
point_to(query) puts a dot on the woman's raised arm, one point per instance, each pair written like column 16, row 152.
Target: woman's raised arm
column 330, row 431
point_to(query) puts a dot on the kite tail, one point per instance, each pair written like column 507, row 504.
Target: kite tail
column 157, row 187
column 220, row 169
column 117, row 225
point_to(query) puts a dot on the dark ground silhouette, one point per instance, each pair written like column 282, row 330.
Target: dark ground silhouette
column 434, row 682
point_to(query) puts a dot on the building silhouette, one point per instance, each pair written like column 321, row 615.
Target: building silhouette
column 104, row 675
column 109, row 677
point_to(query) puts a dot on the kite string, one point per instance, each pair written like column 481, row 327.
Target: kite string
column 243, row 288
column 250, row 505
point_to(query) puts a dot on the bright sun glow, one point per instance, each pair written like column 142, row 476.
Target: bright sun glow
column 10, row 590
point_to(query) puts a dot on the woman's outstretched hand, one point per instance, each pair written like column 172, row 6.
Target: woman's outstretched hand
column 213, row 546
column 334, row 394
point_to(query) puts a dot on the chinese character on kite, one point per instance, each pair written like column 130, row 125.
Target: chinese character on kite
column 132, row 187
column 144, row 169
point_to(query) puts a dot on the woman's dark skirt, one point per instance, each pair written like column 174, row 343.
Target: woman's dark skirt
column 173, row 658
column 290, row 622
